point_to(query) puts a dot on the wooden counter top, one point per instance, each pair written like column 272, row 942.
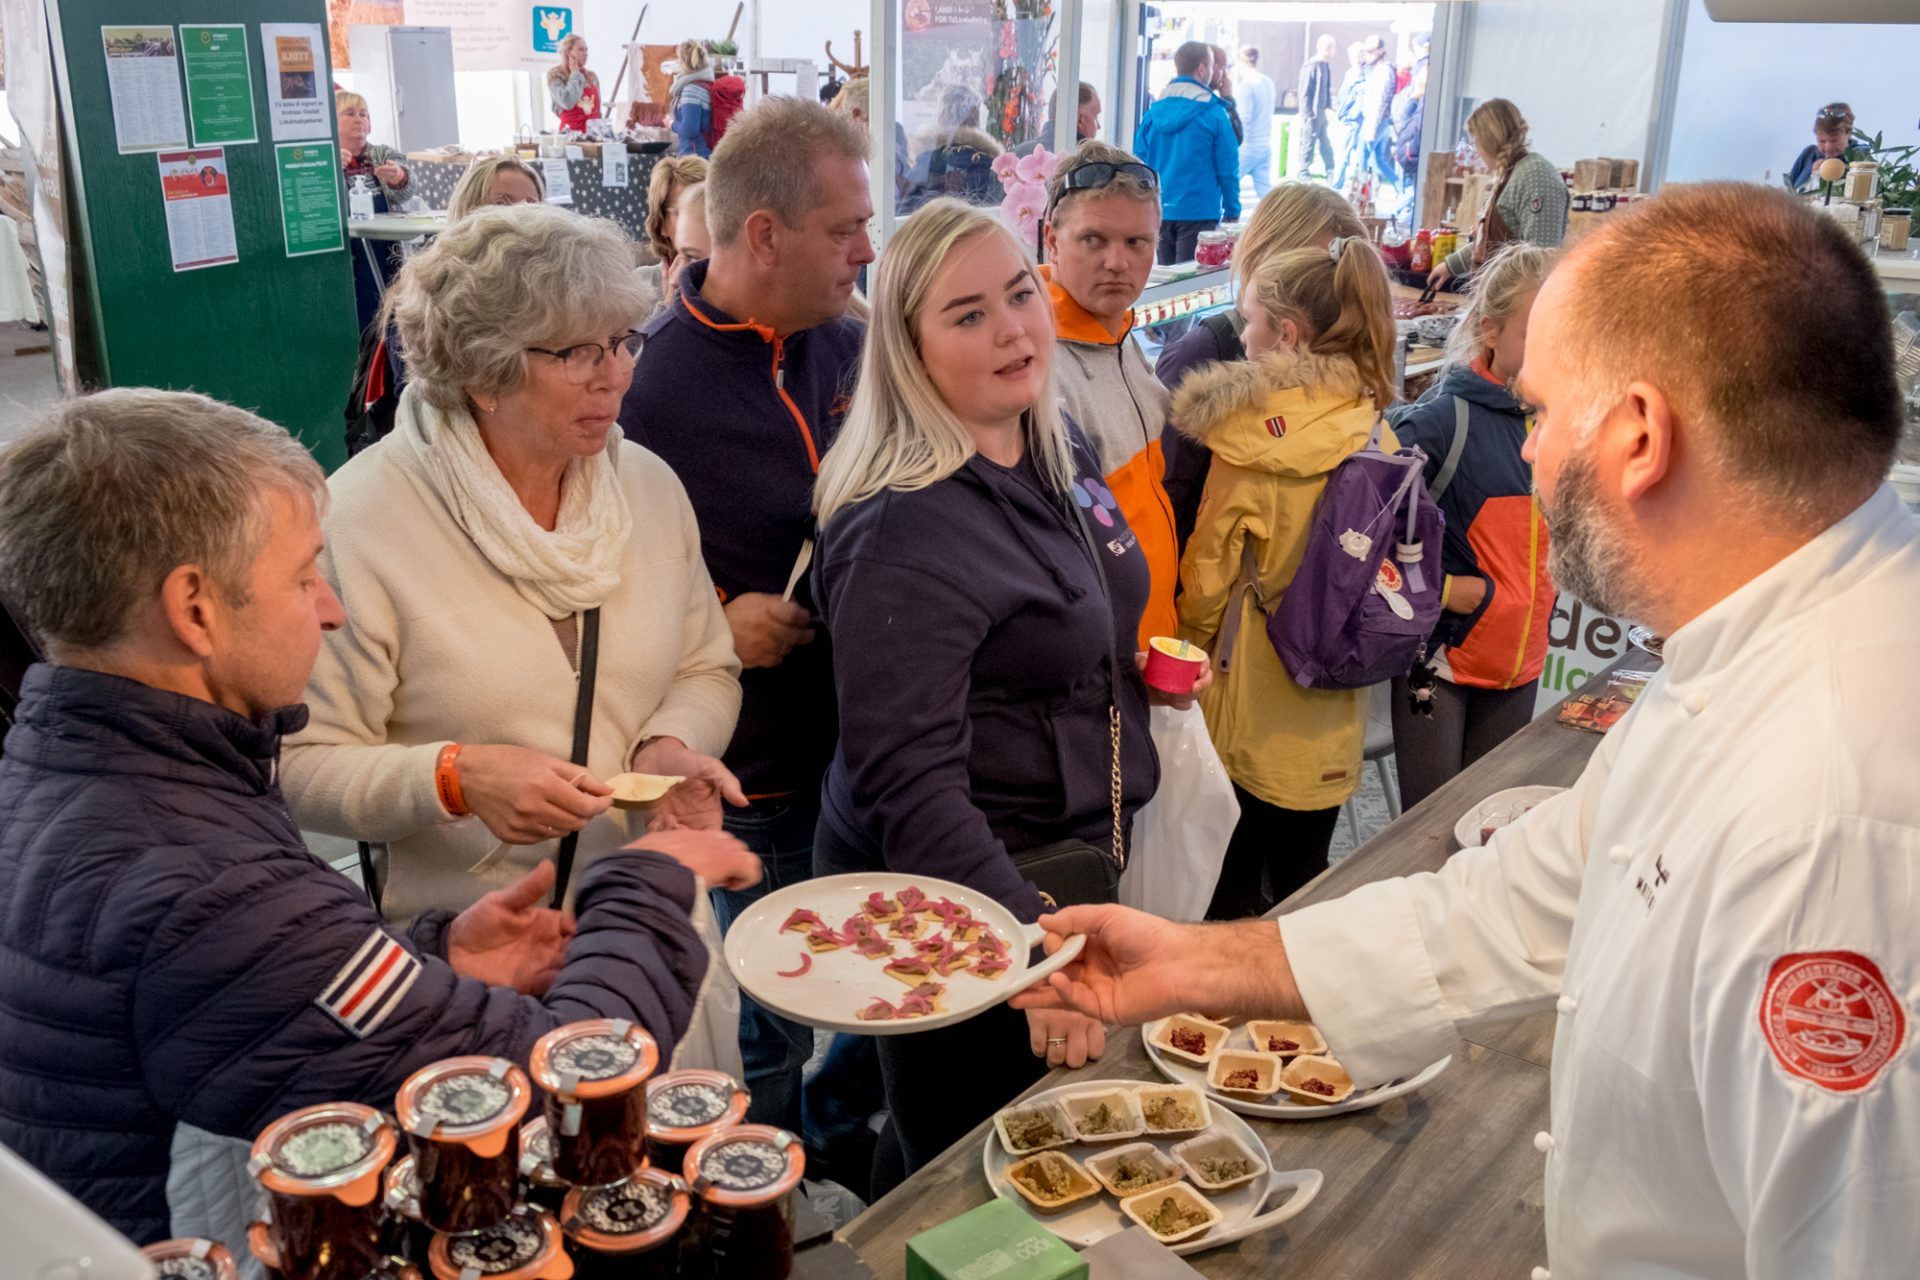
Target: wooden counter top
column 1441, row 1183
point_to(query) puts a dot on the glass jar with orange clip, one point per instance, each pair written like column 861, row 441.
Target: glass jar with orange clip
column 594, row 1074
column 320, row 1167
column 460, row 1117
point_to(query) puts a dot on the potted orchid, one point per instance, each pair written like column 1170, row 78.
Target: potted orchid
column 1024, row 179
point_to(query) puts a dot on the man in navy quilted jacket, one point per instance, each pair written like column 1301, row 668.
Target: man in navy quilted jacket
column 172, row 959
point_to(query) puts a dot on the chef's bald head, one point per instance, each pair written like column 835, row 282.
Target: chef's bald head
column 1762, row 323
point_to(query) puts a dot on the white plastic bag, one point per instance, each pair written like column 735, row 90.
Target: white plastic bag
column 1180, row 836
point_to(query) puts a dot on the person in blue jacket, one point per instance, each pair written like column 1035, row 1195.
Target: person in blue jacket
column 983, row 591
column 1187, row 137
column 172, row 958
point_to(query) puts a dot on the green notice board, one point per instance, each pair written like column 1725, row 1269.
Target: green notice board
column 272, row 332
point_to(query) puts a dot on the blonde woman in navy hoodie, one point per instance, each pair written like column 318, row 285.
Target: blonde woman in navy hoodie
column 979, row 644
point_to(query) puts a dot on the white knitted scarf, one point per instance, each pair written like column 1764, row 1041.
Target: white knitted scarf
column 568, row 571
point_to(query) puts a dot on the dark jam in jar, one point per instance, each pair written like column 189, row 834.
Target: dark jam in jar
column 191, row 1260
column 320, row 1168
column 460, row 1117
column 524, row 1245
column 539, row 1184
column 684, row 1107
column 596, row 1106
column 742, row 1180
column 629, row 1231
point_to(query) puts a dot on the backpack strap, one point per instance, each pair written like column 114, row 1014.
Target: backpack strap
column 1442, row 481
column 1225, row 326
column 1249, row 581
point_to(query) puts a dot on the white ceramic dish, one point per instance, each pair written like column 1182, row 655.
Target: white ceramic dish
column 1054, row 1112
column 1203, row 1114
column 1502, row 808
column 1124, row 1117
column 1280, row 1107
column 1244, row 1209
column 838, row 984
column 1103, row 1165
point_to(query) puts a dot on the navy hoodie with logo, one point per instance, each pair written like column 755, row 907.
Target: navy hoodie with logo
column 743, row 417
column 973, row 635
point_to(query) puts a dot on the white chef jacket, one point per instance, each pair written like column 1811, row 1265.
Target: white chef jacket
column 1737, row 965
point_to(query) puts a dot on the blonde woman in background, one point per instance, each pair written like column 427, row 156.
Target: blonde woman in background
column 690, row 100
column 671, row 177
column 573, row 90
column 1319, row 338
column 989, row 636
column 692, row 239
column 359, row 156
column 1497, row 598
column 1528, row 202
column 495, row 180
column 1294, row 215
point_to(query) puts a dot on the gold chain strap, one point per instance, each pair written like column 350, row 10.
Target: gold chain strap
column 1119, row 840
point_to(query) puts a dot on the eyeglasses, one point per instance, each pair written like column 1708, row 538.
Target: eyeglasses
column 582, row 360
column 1096, row 174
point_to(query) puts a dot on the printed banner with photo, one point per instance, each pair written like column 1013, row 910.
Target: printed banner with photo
column 299, row 86
column 193, row 185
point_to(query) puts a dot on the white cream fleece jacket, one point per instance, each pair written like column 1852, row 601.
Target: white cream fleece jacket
column 438, row 647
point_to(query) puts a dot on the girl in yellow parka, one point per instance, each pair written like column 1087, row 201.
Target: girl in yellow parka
column 1319, row 341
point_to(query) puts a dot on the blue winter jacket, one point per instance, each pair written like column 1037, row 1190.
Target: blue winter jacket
column 170, row 953
column 1187, row 138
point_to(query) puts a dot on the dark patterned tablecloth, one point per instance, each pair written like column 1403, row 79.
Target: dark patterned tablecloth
column 434, row 180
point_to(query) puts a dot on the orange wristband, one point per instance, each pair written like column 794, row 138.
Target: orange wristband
column 446, row 780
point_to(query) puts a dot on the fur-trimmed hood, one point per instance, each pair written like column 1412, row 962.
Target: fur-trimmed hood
column 1289, row 412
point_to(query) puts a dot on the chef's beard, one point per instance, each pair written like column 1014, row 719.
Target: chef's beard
column 1589, row 558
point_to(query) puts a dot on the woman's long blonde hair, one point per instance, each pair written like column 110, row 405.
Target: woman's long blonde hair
column 1341, row 300
column 475, row 188
column 1294, row 215
column 1494, row 294
column 692, row 55
column 558, row 73
column 1498, row 129
column 900, row 434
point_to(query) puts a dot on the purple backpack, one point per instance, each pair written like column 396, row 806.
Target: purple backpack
column 1367, row 593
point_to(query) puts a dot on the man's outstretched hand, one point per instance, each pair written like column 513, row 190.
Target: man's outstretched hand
column 1138, row 967
column 508, row 939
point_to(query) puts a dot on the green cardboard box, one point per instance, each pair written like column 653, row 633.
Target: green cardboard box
column 996, row 1241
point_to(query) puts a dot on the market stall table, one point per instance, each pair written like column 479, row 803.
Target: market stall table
column 397, row 226
column 1444, row 1182
column 433, row 181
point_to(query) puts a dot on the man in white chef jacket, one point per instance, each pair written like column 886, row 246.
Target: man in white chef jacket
column 1725, row 910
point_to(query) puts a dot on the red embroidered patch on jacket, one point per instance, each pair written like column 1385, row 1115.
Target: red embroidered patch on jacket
column 1831, row 1018
column 1277, row 427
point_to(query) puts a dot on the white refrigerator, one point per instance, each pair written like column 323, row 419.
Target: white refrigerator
column 406, row 76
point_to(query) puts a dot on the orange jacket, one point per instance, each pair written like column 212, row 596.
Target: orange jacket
column 1106, row 385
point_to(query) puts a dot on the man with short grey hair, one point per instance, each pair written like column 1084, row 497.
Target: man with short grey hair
column 741, row 387
column 170, row 954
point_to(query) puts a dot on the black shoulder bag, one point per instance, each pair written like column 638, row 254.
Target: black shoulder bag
column 1074, row 873
column 582, row 732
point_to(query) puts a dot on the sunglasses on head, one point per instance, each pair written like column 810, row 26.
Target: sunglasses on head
column 1099, row 173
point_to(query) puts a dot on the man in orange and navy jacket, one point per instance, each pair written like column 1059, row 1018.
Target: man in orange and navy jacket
column 740, row 387
column 1103, row 223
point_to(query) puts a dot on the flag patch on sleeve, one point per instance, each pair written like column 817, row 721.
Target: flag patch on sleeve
column 370, row 985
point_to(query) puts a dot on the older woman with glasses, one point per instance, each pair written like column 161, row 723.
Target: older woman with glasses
column 530, row 614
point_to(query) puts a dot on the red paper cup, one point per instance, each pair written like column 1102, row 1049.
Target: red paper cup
column 1173, row 666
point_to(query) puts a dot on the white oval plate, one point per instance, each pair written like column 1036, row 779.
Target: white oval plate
column 1280, row 1108
column 843, row 982
column 1467, row 830
column 1097, row 1217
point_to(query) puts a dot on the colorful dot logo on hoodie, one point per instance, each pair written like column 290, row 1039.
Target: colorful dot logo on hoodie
column 1096, row 498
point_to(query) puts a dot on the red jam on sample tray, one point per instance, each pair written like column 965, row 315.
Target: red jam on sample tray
column 320, row 1168
column 460, row 1118
column 189, row 1259
column 742, row 1181
column 524, row 1245
column 684, row 1107
column 595, row 1074
column 629, row 1231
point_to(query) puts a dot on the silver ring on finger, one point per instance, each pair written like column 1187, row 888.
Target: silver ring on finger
column 1051, row 1043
